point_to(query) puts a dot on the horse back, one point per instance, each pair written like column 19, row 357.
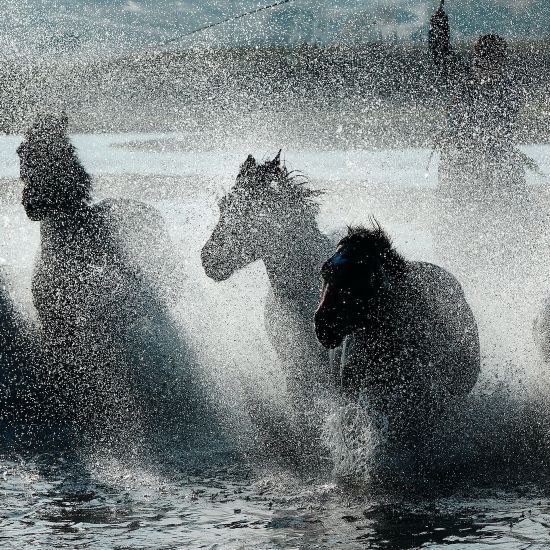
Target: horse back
column 140, row 235
column 452, row 325
column 127, row 217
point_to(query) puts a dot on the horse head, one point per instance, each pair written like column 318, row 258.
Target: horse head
column 356, row 281
column 54, row 180
column 255, row 216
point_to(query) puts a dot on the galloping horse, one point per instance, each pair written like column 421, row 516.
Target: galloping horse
column 102, row 288
column 269, row 215
column 411, row 339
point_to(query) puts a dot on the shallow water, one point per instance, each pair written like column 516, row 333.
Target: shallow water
column 229, row 504
column 226, row 493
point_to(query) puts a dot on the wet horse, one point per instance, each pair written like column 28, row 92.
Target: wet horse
column 102, row 288
column 269, row 215
column 412, row 343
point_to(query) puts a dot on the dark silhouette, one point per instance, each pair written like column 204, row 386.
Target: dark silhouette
column 486, row 216
column 102, row 285
column 411, row 339
column 439, row 37
column 479, row 158
column 269, row 215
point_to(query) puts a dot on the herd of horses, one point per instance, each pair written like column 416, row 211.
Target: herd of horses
column 347, row 320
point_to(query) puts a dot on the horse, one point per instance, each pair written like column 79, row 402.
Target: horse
column 411, row 340
column 269, row 215
column 102, row 286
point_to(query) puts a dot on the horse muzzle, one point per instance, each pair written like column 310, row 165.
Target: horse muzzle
column 214, row 266
column 35, row 209
column 330, row 326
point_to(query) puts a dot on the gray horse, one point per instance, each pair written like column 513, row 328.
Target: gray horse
column 269, row 215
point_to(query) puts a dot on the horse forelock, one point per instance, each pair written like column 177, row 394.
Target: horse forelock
column 53, row 160
column 271, row 185
column 367, row 242
column 48, row 128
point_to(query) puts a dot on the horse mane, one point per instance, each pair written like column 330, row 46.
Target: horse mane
column 52, row 154
column 279, row 188
column 366, row 242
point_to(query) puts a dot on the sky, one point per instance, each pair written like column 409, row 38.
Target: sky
column 107, row 26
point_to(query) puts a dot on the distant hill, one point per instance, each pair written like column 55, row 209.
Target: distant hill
column 104, row 27
column 354, row 96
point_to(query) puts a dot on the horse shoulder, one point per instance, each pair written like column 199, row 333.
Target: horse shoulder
column 20, row 349
column 13, row 327
column 439, row 286
column 444, row 298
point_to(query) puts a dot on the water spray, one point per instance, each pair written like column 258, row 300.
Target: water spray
column 427, row 172
column 227, row 20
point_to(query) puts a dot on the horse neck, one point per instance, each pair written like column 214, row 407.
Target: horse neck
column 294, row 262
column 60, row 233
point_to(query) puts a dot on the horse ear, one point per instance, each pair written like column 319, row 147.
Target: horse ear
column 249, row 163
column 277, row 160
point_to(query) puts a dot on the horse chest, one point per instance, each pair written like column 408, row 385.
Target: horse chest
column 394, row 352
column 68, row 285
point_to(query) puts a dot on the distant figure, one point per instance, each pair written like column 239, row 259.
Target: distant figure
column 479, row 157
column 487, row 221
column 411, row 340
column 439, row 38
column 102, row 287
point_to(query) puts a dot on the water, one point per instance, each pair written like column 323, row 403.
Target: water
column 225, row 492
column 50, row 504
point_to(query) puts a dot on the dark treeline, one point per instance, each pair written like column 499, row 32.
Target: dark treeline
column 168, row 91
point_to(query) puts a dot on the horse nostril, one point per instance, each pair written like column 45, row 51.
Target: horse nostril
column 214, row 266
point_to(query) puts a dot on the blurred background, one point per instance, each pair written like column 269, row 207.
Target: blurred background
column 364, row 64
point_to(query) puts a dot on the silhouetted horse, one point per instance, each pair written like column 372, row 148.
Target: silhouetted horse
column 269, row 215
column 411, row 339
column 101, row 287
column 487, row 221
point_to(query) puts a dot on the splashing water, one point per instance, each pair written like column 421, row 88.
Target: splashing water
column 497, row 440
column 480, row 478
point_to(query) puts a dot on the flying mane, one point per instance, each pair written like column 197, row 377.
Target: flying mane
column 362, row 243
column 276, row 187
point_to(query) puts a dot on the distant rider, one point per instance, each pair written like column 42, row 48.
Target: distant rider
column 479, row 159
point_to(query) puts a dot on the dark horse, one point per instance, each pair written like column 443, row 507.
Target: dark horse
column 411, row 339
column 102, row 289
column 269, row 215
